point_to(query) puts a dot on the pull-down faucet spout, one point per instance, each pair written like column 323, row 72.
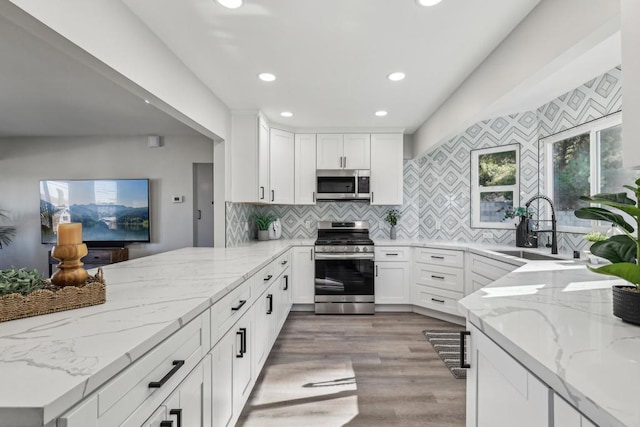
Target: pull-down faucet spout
column 554, row 224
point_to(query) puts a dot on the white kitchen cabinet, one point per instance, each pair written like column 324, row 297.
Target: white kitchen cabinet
column 438, row 279
column 305, row 169
column 393, row 275
column 565, row 415
column 386, row 169
column 357, row 151
column 262, row 319
column 158, row 417
column 482, row 270
column 285, row 300
column 249, row 158
column 303, row 274
column 343, row 151
column 392, row 282
column 281, row 167
column 500, row 391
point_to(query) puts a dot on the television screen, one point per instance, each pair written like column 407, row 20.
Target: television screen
column 110, row 210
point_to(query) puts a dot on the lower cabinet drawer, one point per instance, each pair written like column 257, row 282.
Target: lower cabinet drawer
column 451, row 279
column 436, row 299
column 229, row 309
column 154, row 376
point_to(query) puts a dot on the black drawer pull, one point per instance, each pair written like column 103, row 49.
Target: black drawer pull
column 96, row 257
column 437, row 257
column 284, row 262
column 178, row 413
column 286, row 283
column 270, row 306
column 437, row 277
column 463, row 363
column 392, row 254
column 177, row 364
column 166, row 423
column 437, row 300
column 261, row 193
column 266, row 279
column 239, row 306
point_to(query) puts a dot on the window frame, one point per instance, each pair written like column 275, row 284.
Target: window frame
column 476, row 189
column 592, row 127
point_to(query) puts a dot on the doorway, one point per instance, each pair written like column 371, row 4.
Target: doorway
column 203, row 204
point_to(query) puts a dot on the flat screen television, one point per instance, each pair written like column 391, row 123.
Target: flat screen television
column 113, row 212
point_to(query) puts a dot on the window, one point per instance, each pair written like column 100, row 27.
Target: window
column 495, row 185
column 583, row 161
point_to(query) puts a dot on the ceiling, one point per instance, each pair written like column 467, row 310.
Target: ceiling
column 331, row 57
column 45, row 92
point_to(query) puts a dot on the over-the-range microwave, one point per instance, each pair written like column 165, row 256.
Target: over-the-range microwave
column 343, row 185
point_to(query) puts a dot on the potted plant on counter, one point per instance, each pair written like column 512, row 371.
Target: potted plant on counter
column 263, row 221
column 623, row 251
column 524, row 236
column 392, row 218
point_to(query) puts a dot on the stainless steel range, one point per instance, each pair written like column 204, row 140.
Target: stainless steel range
column 344, row 265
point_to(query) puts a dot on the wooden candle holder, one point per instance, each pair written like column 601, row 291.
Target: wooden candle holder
column 70, row 271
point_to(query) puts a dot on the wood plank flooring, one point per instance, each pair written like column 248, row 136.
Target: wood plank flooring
column 356, row 371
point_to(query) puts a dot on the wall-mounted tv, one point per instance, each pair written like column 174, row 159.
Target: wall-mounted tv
column 113, row 212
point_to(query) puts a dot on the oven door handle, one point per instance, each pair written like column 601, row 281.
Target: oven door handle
column 328, row 256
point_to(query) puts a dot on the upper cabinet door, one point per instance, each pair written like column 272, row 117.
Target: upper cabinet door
column 263, row 161
column 357, row 151
column 305, row 169
column 329, row 151
column 386, row 169
column 281, row 176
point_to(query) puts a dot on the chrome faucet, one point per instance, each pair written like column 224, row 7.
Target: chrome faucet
column 554, row 223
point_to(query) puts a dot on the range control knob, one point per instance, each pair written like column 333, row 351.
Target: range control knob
column 357, row 249
column 365, row 249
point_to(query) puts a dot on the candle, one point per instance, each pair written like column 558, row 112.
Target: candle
column 70, row 234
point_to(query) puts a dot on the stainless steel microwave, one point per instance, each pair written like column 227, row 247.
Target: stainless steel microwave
column 343, row 185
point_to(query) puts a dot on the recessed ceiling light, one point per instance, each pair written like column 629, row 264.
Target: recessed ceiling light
column 428, row 2
column 266, row 77
column 396, row 77
column 231, row 4
column 286, row 114
column 146, row 101
column 381, row 113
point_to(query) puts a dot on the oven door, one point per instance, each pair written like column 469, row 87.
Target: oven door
column 344, row 274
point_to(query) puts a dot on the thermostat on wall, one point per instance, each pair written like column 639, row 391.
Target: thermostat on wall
column 178, row 199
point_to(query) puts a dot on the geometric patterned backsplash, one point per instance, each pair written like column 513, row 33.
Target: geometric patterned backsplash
column 436, row 203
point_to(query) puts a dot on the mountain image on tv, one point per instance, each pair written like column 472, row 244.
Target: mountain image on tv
column 109, row 210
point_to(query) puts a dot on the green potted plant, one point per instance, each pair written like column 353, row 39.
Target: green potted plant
column 623, row 251
column 6, row 232
column 392, row 217
column 263, row 221
column 523, row 227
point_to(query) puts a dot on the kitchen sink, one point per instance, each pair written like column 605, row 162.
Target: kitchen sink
column 533, row 256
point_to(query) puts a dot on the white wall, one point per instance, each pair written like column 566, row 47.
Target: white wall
column 26, row 161
column 631, row 82
column 554, row 34
column 110, row 32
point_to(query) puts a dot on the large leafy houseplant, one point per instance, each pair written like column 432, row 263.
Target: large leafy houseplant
column 623, row 251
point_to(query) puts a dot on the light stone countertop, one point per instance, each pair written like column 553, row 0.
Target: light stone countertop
column 75, row 352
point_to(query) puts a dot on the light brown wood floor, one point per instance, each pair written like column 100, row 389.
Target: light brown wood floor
column 375, row 370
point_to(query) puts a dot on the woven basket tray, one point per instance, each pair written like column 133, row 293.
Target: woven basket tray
column 45, row 301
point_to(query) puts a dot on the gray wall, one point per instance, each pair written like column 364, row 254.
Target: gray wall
column 26, row 161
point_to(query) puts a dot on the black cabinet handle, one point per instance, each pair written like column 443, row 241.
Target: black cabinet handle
column 437, row 257
column 178, row 413
column 372, row 197
column 314, row 197
column 243, row 342
column 239, row 306
column 270, row 307
column 266, row 279
column 166, row 423
column 463, row 363
column 273, row 195
column 261, row 193
column 284, row 262
column 437, row 300
column 311, row 253
column 437, row 277
column 177, row 364
column 376, row 271
column 286, row 282
column 345, row 162
column 392, row 254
